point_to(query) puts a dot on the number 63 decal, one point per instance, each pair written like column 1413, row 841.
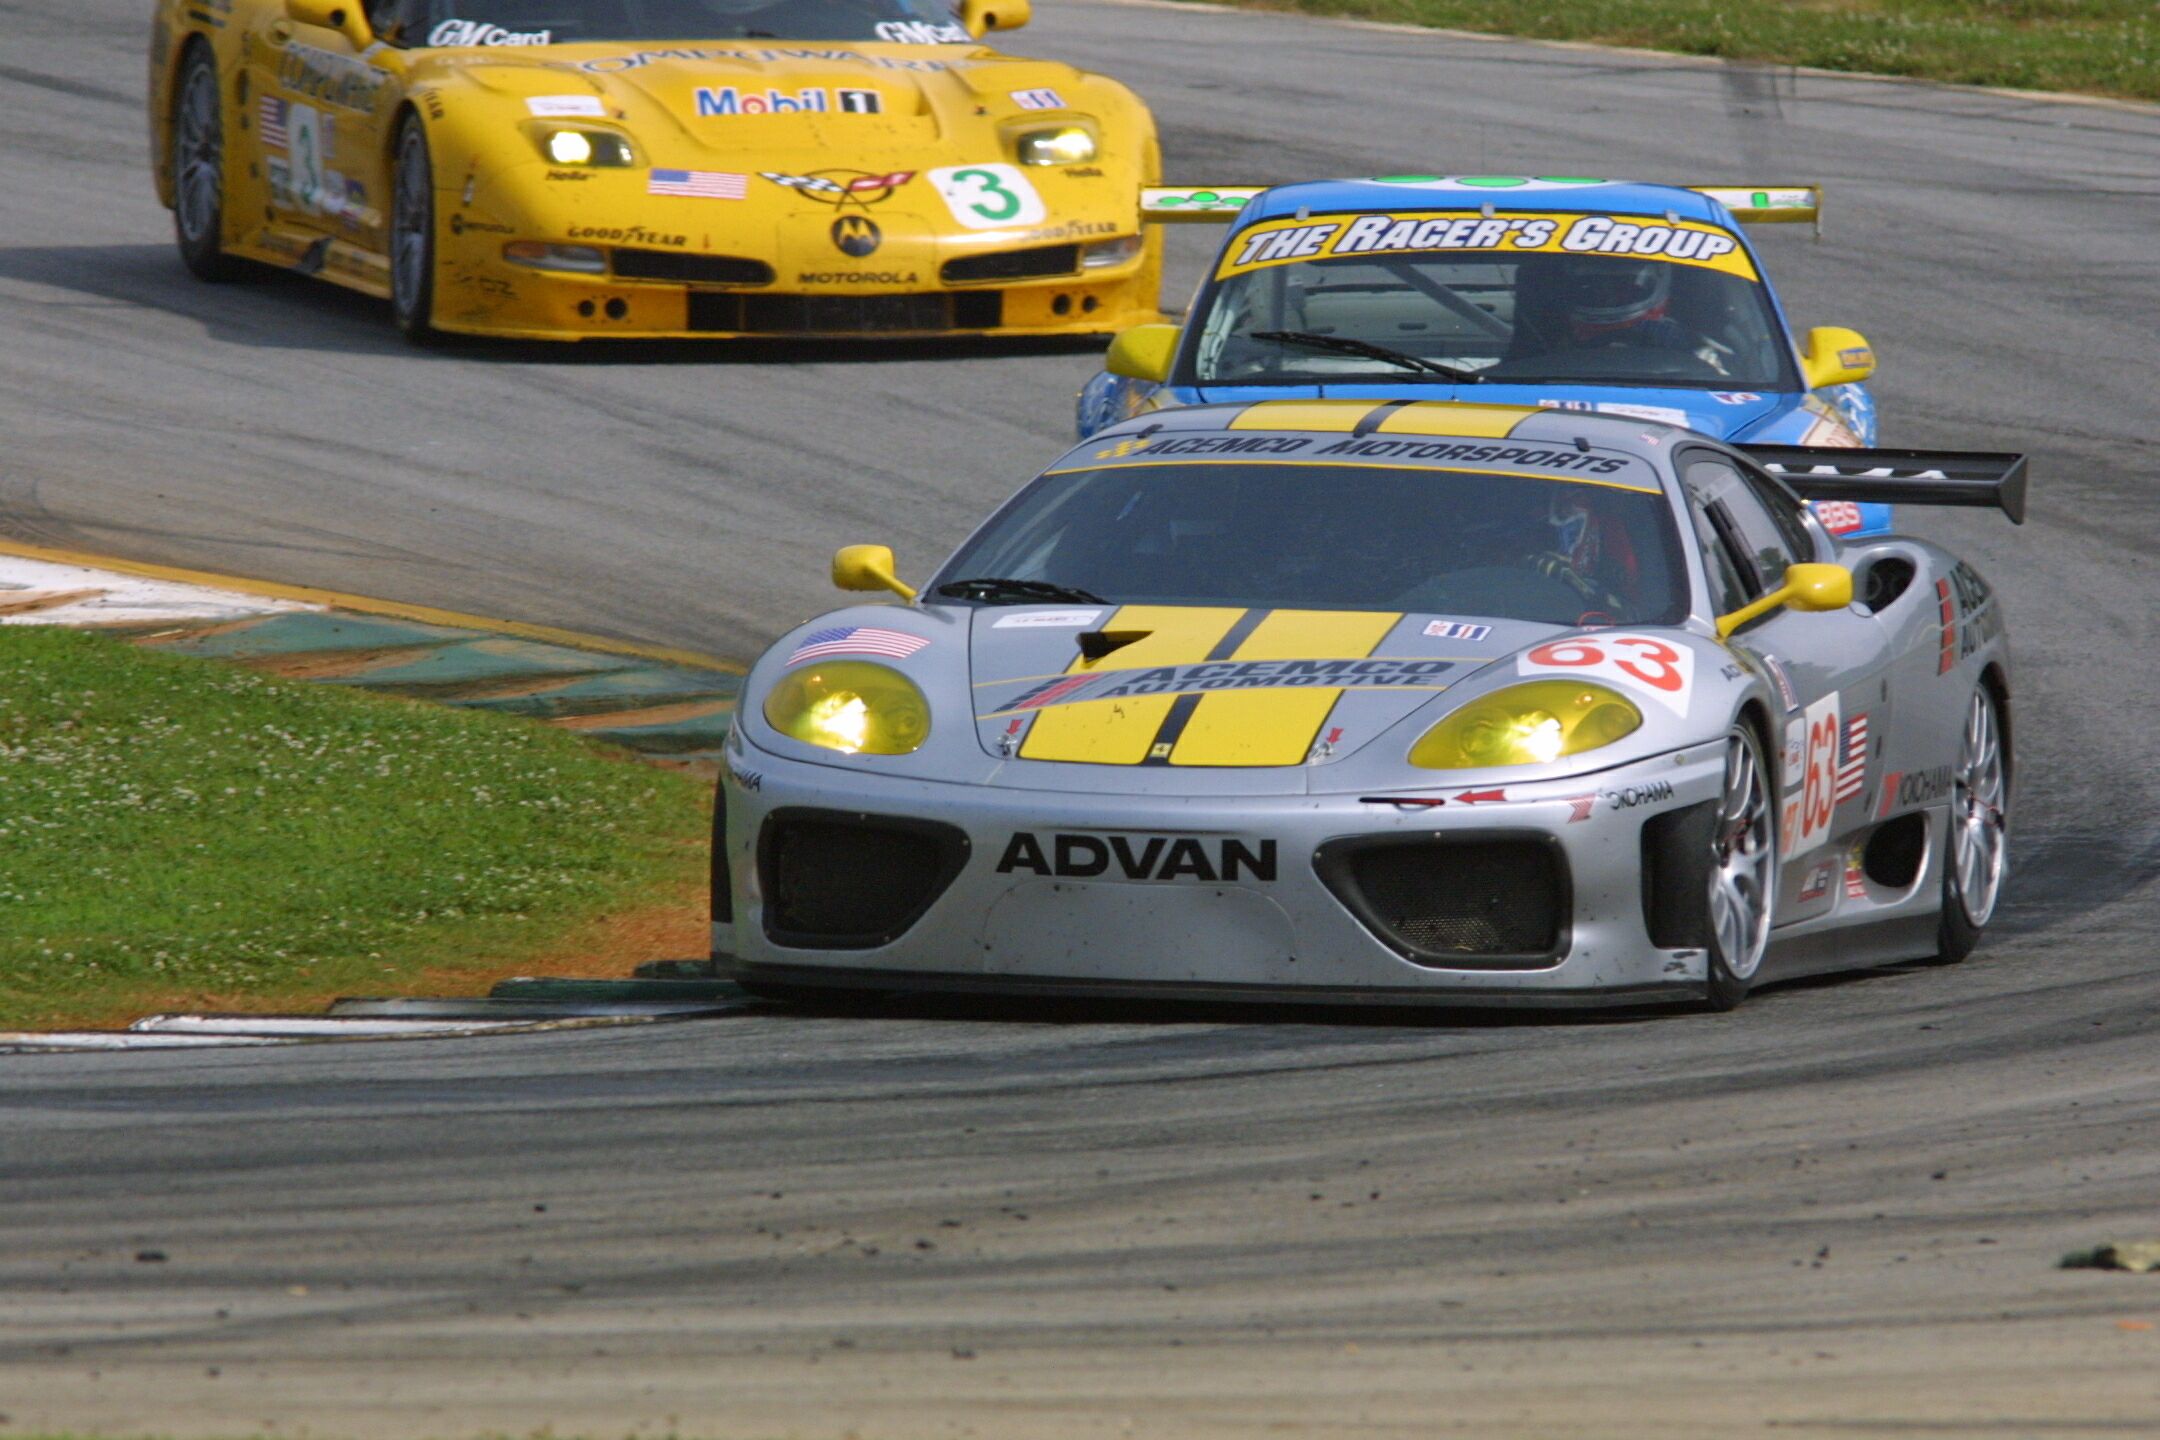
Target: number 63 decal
column 1643, row 664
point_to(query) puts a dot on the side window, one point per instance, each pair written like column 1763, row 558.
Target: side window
column 1727, row 592
column 1745, row 520
column 399, row 22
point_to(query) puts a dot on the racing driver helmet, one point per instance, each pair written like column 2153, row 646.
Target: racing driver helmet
column 1608, row 296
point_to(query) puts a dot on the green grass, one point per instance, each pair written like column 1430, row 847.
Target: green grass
column 176, row 830
column 2100, row 47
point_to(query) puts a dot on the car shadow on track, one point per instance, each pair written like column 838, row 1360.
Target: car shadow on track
column 1044, row 1010
column 278, row 309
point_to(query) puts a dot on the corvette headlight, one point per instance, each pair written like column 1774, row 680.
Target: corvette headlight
column 1532, row 724
column 1066, row 145
column 851, row 706
column 568, row 145
column 1104, row 253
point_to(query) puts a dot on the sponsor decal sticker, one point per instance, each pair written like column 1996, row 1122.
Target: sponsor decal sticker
column 856, row 640
column 1734, row 397
column 1839, row 517
column 585, row 106
column 1209, row 676
column 921, row 32
column 1627, row 797
column 1910, row 789
column 1855, row 877
column 1456, row 630
column 1038, row 100
column 988, row 197
column 328, row 77
column 1662, row 414
column 1807, row 813
column 856, row 277
column 698, row 184
column 626, row 235
column 842, row 187
column 859, row 102
column 749, row 780
column 1643, row 664
column 1046, row 620
column 1817, row 883
column 637, row 60
column 856, row 235
column 477, row 32
column 728, row 100
column 1282, row 242
column 1138, row 857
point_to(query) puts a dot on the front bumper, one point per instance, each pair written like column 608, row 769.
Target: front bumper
column 1248, row 897
column 779, row 278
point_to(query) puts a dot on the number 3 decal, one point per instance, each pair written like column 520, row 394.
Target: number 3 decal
column 988, row 197
column 1636, row 662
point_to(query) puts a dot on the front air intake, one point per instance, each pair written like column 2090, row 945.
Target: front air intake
column 837, row 880
column 691, row 269
column 1482, row 902
column 1036, row 264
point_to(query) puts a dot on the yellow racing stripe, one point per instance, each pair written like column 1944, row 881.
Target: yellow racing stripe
column 1120, row 732
column 1442, row 417
column 1333, row 417
column 1277, row 727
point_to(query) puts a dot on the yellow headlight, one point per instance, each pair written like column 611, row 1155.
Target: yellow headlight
column 851, row 706
column 1531, row 724
column 1067, row 145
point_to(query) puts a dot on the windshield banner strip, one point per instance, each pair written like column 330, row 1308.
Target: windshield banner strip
column 1291, row 241
column 1391, row 454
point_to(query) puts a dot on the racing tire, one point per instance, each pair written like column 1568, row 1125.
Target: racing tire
column 412, row 236
column 195, row 160
column 1739, row 882
column 1977, row 857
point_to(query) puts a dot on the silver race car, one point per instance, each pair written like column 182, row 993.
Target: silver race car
column 1346, row 701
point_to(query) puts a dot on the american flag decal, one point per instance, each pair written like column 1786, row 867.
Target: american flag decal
column 1852, row 761
column 856, row 640
column 698, row 184
column 271, row 124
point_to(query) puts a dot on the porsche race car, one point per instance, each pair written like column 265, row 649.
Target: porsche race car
column 567, row 169
column 1590, row 295
column 1386, row 702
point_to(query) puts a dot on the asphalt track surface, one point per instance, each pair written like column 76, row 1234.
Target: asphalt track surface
column 1835, row 1212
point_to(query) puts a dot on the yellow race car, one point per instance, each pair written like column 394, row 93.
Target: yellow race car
column 565, row 169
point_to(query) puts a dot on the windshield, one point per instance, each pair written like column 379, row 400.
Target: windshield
column 564, row 22
column 1525, row 318
column 1342, row 537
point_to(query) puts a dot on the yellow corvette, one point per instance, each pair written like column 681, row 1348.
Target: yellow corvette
column 567, row 169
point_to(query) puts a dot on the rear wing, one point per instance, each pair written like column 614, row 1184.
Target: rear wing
column 1899, row 477
column 1749, row 204
column 1168, row 204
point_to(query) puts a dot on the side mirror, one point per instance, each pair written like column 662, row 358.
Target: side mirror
column 980, row 17
column 1807, row 587
column 870, row 567
column 1143, row 352
column 1836, row 356
column 347, row 17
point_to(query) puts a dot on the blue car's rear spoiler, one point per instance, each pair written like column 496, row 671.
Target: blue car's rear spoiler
column 1899, row 477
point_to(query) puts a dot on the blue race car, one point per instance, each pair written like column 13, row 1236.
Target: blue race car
column 1596, row 295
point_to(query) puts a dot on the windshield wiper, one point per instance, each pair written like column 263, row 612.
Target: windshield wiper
column 1347, row 346
column 997, row 590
